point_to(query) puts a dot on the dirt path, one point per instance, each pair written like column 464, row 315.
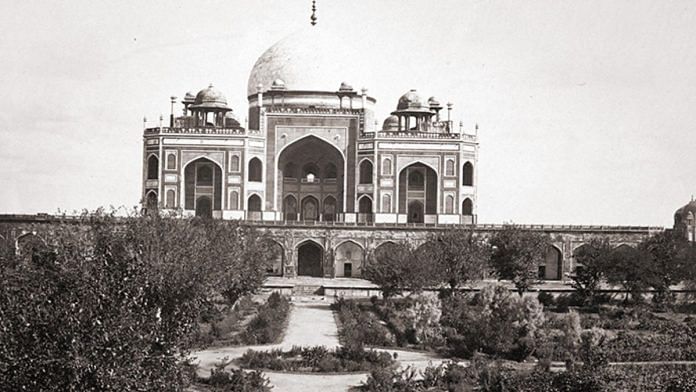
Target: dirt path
column 311, row 324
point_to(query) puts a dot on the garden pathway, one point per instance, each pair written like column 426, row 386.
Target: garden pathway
column 311, row 324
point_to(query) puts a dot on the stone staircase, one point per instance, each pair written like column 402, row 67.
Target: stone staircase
column 307, row 290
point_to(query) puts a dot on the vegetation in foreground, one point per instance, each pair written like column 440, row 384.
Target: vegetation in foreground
column 231, row 380
column 493, row 376
column 317, row 359
column 112, row 304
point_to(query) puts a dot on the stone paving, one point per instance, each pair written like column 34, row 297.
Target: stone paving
column 311, row 323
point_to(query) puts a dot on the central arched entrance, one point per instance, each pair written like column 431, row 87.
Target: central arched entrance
column 203, row 187
column 310, row 173
column 310, row 257
column 418, row 192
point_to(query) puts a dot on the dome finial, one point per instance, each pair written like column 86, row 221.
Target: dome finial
column 313, row 18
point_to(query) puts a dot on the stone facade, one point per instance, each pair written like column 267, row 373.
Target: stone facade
column 311, row 150
column 341, row 249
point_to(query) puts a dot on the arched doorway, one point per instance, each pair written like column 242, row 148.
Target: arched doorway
column 418, row 190
column 310, row 209
column 311, row 166
column 29, row 245
column 254, row 207
column 202, row 182
column 415, row 212
column 329, row 210
column 151, row 202
column 204, row 207
column 365, row 209
column 553, row 265
column 348, row 260
column 290, row 208
column 310, row 257
column 275, row 264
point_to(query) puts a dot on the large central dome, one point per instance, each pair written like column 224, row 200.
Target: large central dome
column 313, row 59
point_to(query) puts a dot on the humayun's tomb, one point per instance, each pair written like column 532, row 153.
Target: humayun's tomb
column 314, row 167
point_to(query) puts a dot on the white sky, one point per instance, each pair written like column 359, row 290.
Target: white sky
column 586, row 108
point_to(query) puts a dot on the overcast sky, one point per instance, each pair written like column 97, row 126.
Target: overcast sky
column 587, row 109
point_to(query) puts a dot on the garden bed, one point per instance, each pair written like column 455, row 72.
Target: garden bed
column 248, row 322
column 316, row 359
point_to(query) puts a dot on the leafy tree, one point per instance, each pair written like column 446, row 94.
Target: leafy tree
column 396, row 267
column 517, row 254
column 460, row 256
column 112, row 304
column 628, row 267
column 592, row 259
column 497, row 322
column 666, row 264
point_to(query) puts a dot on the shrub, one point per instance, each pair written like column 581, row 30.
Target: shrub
column 114, row 303
column 317, row 359
column 496, row 323
column 236, row 380
column 268, row 325
column 546, row 299
column 359, row 326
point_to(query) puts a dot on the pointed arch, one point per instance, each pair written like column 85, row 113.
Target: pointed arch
column 386, row 203
column 348, row 259
column 204, row 207
column 254, row 203
column 290, row 208
column 171, row 161
column 152, row 167
column 449, row 167
column 329, row 209
column 255, row 173
column 449, row 204
column 552, row 269
column 202, row 177
column 365, row 209
column 234, row 200
column 467, row 207
column 234, row 163
column 365, row 174
column 310, row 208
column 151, row 202
column 170, row 199
column 310, row 258
column 468, row 174
column 274, row 266
column 387, row 166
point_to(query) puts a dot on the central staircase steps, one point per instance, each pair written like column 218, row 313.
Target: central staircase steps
column 307, row 290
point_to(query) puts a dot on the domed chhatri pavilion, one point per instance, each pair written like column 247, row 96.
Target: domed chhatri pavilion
column 685, row 221
column 312, row 149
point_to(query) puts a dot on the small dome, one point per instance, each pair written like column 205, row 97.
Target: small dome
column 278, row 84
column 683, row 213
column 345, row 87
column 210, row 98
column 189, row 97
column 391, row 122
column 410, row 100
column 434, row 102
column 231, row 120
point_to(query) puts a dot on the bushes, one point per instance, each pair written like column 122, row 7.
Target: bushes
column 316, row 359
column 359, row 326
column 113, row 303
column 268, row 325
column 496, row 322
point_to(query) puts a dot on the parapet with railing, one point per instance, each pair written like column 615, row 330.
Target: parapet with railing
column 201, row 131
